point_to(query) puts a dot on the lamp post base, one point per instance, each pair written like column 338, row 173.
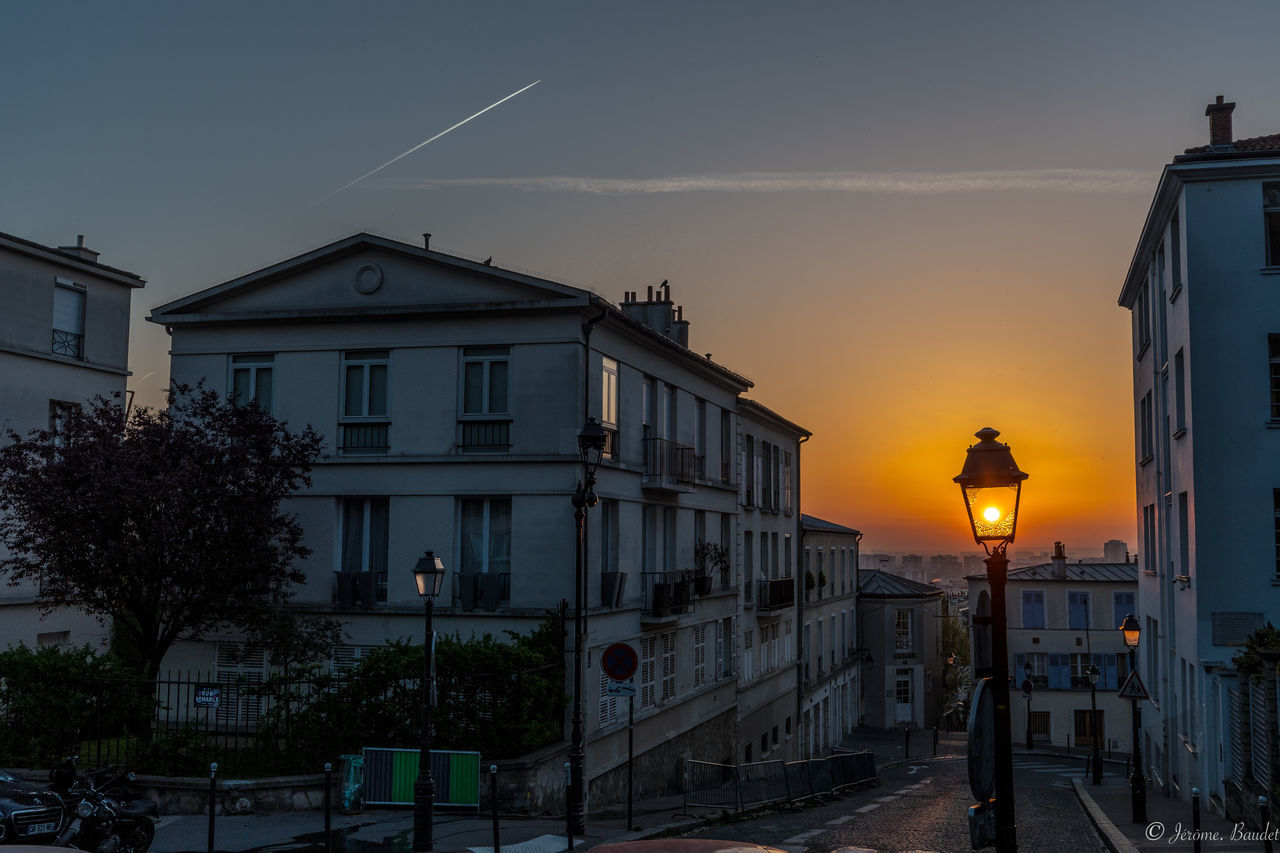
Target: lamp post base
column 424, row 797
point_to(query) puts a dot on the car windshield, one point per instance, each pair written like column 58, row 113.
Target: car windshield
column 6, row 776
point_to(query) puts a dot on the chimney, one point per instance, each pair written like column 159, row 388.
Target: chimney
column 80, row 250
column 426, row 239
column 1059, row 560
column 1219, row 124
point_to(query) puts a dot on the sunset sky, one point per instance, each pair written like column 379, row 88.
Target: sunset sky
column 904, row 221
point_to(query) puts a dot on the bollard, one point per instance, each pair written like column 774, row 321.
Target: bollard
column 906, row 746
column 935, row 741
column 568, row 803
column 328, row 813
column 1195, row 820
column 1265, row 817
column 493, row 795
column 213, row 795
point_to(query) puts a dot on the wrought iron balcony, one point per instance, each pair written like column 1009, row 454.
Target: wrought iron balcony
column 364, row 439
column 667, row 593
column 481, row 590
column 492, row 436
column 669, row 465
column 776, row 594
column 68, row 343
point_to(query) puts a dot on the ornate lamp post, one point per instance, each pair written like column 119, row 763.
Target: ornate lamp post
column 1093, row 722
column 1132, row 632
column 429, row 575
column 591, row 442
column 1026, row 694
column 992, row 485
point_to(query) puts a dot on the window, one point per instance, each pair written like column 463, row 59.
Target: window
column 1080, row 671
column 726, row 446
column 1149, row 538
column 748, row 642
column 699, row 655
column 724, row 648
column 1039, row 663
column 669, row 538
column 648, row 660
column 1122, row 604
column 1271, row 216
column 1146, row 426
column 364, row 402
column 609, row 405
column 1179, row 395
column 68, row 318
column 251, row 379
column 902, row 686
column 1077, row 609
column 1275, row 499
column 608, row 536
column 1273, row 349
column 1142, row 320
column 362, row 569
column 1033, row 608
column 786, row 483
column 668, row 665
column 1184, row 534
column 1175, row 251
column 60, row 412
column 485, row 536
column 749, row 469
column 608, row 704
column 485, row 424
column 902, row 639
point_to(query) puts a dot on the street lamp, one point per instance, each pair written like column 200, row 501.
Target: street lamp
column 591, row 442
column 1026, row 694
column 429, row 575
column 992, row 485
column 1132, row 631
column 1093, row 722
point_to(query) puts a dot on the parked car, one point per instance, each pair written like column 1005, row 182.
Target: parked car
column 684, row 845
column 28, row 815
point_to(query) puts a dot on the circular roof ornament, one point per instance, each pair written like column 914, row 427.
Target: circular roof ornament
column 368, row 278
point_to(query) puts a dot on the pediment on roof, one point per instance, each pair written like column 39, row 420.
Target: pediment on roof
column 364, row 275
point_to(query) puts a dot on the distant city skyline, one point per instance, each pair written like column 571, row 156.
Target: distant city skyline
column 904, row 222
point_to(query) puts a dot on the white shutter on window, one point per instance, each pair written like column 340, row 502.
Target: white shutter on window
column 68, row 310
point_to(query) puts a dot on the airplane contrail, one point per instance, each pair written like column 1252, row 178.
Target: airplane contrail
column 427, row 142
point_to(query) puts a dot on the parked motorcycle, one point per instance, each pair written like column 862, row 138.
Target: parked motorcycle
column 106, row 818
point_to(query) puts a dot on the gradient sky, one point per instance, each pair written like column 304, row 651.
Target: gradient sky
column 904, row 221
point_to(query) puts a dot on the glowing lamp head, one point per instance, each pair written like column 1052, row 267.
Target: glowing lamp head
column 1131, row 631
column 991, row 484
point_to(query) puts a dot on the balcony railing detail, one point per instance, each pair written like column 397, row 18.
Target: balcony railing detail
column 668, row 462
column 481, row 590
column 485, row 436
column 667, row 593
column 776, row 594
column 364, row 438
column 68, row 343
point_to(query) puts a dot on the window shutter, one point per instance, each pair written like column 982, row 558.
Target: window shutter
column 68, row 310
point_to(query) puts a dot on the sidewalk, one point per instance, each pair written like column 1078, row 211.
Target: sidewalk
column 1168, row 825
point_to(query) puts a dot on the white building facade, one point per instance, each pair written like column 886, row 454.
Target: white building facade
column 450, row 394
column 832, row 660
column 64, row 339
column 1202, row 290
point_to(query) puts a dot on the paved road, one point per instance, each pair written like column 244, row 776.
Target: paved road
column 923, row 807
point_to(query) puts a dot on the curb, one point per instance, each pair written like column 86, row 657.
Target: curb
column 1115, row 839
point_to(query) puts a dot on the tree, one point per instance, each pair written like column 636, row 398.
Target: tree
column 167, row 522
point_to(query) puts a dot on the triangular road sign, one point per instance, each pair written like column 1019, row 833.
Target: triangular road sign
column 1133, row 688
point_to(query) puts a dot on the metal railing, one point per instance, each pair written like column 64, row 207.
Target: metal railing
column 667, row 593
column 668, row 461
column 362, row 438
column 481, row 590
column 776, row 594
column 482, row 436
column 745, row 786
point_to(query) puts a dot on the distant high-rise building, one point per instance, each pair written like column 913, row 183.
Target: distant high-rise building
column 1115, row 551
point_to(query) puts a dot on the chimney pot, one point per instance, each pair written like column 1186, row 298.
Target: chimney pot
column 426, row 239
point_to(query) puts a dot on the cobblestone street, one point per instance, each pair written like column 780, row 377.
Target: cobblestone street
column 923, row 807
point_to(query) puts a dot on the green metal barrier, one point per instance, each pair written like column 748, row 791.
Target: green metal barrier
column 389, row 775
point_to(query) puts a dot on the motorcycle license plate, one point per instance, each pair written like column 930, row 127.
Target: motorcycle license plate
column 41, row 828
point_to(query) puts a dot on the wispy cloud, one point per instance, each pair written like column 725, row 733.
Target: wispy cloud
column 897, row 183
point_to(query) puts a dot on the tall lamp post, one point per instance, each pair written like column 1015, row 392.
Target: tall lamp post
column 1093, row 722
column 591, row 442
column 1132, row 631
column 429, row 575
column 992, row 485
column 1026, row 694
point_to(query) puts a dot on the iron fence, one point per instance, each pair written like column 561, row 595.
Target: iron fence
column 744, row 786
